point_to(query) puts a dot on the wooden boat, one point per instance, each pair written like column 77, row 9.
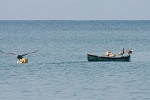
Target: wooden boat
column 107, row 58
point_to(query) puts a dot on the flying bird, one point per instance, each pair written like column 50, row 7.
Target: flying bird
column 20, row 56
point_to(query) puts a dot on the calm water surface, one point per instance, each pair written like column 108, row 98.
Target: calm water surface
column 60, row 70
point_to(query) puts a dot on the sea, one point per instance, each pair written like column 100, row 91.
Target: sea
column 60, row 69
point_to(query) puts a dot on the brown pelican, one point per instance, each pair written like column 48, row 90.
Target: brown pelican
column 129, row 52
column 20, row 56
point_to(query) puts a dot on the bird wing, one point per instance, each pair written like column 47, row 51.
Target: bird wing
column 7, row 52
column 30, row 52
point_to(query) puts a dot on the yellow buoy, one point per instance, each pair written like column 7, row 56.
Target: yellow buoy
column 23, row 60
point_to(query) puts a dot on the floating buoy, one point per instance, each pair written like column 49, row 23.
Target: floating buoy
column 23, row 60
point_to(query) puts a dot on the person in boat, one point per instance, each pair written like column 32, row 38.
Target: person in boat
column 20, row 58
column 109, row 54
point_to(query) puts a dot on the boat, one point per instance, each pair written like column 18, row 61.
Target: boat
column 124, row 58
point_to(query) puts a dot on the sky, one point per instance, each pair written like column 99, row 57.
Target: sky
column 74, row 9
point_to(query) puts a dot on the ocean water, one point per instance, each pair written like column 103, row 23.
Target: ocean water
column 60, row 70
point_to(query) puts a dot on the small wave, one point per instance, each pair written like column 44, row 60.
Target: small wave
column 69, row 62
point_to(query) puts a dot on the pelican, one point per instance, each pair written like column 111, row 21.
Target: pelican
column 20, row 56
column 129, row 52
column 107, row 53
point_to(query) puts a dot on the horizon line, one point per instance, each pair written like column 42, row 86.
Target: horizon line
column 74, row 19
